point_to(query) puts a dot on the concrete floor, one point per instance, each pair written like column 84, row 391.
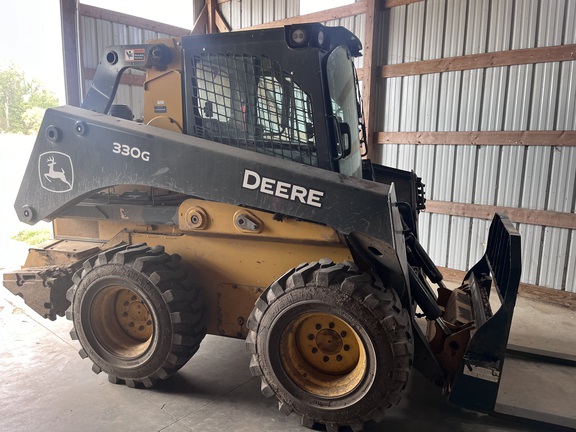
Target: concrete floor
column 46, row 386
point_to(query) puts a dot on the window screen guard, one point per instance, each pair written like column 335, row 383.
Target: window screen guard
column 250, row 102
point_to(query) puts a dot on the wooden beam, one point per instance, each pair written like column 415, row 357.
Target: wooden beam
column 508, row 138
column 72, row 80
column 221, row 23
column 395, row 3
column 478, row 61
column 517, row 215
column 322, row 16
column 129, row 20
column 369, row 81
column 211, row 6
column 546, row 295
column 201, row 22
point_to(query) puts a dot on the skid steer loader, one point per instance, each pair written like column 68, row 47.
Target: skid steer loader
column 243, row 205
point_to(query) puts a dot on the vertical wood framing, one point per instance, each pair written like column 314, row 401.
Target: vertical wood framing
column 210, row 20
column 69, row 20
column 369, row 79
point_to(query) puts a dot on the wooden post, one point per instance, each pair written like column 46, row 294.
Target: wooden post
column 72, row 76
column 369, row 79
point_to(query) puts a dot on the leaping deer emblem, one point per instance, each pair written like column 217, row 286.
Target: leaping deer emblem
column 55, row 174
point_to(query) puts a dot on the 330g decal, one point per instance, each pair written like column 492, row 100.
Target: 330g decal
column 126, row 150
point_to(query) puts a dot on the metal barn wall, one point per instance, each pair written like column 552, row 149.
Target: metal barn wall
column 523, row 97
column 528, row 97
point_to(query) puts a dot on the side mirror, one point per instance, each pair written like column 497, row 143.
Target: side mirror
column 343, row 139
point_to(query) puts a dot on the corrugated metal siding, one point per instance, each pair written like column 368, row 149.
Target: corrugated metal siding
column 95, row 36
column 524, row 97
column 246, row 13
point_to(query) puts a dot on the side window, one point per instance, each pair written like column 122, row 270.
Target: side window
column 217, row 99
column 249, row 102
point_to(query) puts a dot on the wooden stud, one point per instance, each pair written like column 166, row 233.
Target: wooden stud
column 72, row 76
column 201, row 22
column 508, row 138
column 517, row 215
column 479, row 61
column 369, row 81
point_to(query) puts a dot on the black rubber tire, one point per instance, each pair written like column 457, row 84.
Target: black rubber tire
column 357, row 300
column 161, row 298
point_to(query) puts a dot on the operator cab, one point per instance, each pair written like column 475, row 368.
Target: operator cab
column 240, row 92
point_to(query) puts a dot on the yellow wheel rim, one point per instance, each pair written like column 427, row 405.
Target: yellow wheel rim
column 323, row 355
column 121, row 322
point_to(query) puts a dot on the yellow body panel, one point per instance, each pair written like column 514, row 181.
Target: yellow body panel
column 163, row 91
column 233, row 267
column 232, row 262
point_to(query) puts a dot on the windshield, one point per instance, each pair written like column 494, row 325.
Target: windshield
column 342, row 86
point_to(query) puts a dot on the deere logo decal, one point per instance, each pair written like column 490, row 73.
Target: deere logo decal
column 56, row 172
column 254, row 181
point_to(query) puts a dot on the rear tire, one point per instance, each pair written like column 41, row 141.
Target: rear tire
column 331, row 344
column 136, row 314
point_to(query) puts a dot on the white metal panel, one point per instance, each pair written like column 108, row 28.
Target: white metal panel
column 428, row 106
column 458, row 252
column 463, row 190
column 531, row 252
column 392, row 99
column 454, row 33
column 257, row 12
column 88, row 47
column 537, row 173
column 500, row 24
column 477, row 26
column 525, row 24
column 493, row 99
column 486, row 175
column 519, row 92
column 439, row 235
column 408, row 112
column 553, row 262
column 424, row 229
column 570, row 23
column 414, row 32
column 571, row 264
column 510, row 176
column 478, row 236
column 562, row 183
column 443, row 180
column 434, row 25
column 471, row 98
column 545, row 92
column 394, row 47
column 566, row 108
column 449, row 101
column 551, row 23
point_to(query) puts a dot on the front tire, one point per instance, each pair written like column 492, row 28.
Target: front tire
column 331, row 344
column 136, row 314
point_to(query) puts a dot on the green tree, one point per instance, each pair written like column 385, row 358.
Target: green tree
column 20, row 102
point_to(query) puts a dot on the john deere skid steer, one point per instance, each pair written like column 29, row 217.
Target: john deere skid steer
column 243, row 205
